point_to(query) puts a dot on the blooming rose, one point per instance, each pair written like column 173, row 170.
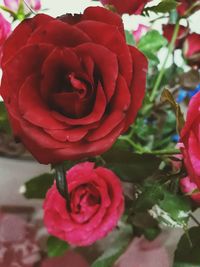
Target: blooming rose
column 82, row 89
column 191, row 140
column 185, row 5
column 191, row 50
column 127, row 6
column 5, row 29
column 96, row 203
column 189, row 188
column 168, row 33
column 14, row 4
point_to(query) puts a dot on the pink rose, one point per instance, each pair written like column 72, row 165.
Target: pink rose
column 5, row 29
column 168, row 33
column 141, row 30
column 189, row 188
column 96, row 202
column 191, row 49
column 127, row 6
column 191, row 140
column 14, row 4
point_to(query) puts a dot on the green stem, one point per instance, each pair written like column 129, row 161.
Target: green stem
column 164, row 152
column 138, row 148
column 162, row 71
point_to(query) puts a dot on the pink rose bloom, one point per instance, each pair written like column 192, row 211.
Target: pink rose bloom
column 96, row 202
column 127, row 6
column 191, row 50
column 141, row 30
column 5, row 29
column 14, row 4
column 191, row 140
column 188, row 188
column 168, row 33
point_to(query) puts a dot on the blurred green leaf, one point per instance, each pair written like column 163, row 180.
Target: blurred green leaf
column 129, row 166
column 4, row 122
column 56, row 247
column 151, row 42
column 163, row 7
column 109, row 257
column 38, row 186
column 187, row 253
column 129, row 38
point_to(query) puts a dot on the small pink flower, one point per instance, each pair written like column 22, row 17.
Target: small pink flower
column 5, row 29
column 96, row 203
column 141, row 30
column 14, row 4
column 189, row 188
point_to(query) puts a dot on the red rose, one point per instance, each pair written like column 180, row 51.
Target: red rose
column 96, row 202
column 185, row 5
column 71, row 85
column 127, row 6
column 191, row 140
column 168, row 33
column 191, row 49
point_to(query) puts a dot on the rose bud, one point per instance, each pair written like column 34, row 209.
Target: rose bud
column 141, row 31
column 127, row 6
column 191, row 140
column 14, row 4
column 190, row 189
column 168, row 33
column 5, row 29
column 83, row 88
column 96, row 204
column 185, row 5
column 191, row 49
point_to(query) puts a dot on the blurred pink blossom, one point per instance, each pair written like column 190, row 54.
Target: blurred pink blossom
column 189, row 188
column 141, row 30
column 5, row 29
column 14, row 4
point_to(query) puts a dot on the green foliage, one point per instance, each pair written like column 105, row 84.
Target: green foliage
column 109, row 257
column 37, row 187
column 163, row 7
column 129, row 38
column 129, row 166
column 4, row 122
column 187, row 253
column 56, row 247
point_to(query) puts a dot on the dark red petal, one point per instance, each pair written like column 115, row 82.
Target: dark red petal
column 59, row 34
column 33, row 109
column 140, row 66
column 104, row 15
column 94, row 116
column 118, row 107
column 21, row 34
column 108, row 72
column 113, row 40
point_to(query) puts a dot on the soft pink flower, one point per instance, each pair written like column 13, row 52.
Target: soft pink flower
column 5, row 29
column 96, row 203
column 141, row 30
column 14, row 4
column 190, row 189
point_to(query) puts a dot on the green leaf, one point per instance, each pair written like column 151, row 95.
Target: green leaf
column 151, row 42
column 129, row 38
column 187, row 253
column 129, row 166
column 56, row 247
column 4, row 122
column 163, row 7
column 109, row 257
column 38, row 186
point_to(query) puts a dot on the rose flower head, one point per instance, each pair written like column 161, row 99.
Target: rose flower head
column 96, row 204
column 191, row 49
column 14, row 4
column 190, row 189
column 71, row 85
column 127, row 6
